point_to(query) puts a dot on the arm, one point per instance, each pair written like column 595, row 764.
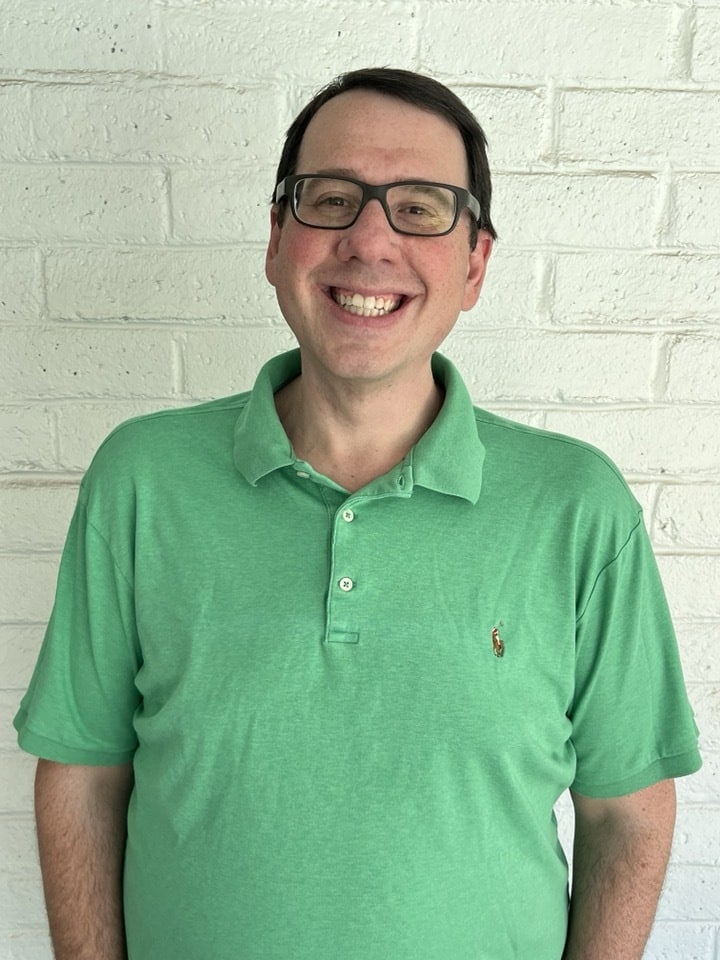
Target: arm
column 81, row 814
column 620, row 855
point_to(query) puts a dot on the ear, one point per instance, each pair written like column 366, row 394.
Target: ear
column 477, row 265
column 273, row 247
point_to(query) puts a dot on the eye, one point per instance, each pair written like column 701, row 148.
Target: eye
column 414, row 215
column 324, row 201
column 332, row 200
column 424, row 211
column 424, row 207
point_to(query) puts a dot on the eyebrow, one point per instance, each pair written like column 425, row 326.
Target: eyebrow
column 336, row 172
column 353, row 174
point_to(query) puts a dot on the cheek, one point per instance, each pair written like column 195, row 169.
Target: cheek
column 289, row 255
column 302, row 249
column 293, row 276
column 451, row 278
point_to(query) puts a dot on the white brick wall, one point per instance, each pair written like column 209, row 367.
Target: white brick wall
column 137, row 145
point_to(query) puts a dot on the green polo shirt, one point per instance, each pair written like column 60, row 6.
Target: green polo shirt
column 350, row 715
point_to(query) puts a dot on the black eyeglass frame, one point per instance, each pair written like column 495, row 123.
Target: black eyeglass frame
column 285, row 190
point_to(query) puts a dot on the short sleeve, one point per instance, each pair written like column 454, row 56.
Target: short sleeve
column 632, row 723
column 82, row 697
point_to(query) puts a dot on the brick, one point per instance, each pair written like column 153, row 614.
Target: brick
column 19, row 647
column 323, row 43
column 20, row 295
column 28, row 588
column 688, row 516
column 554, row 367
column 520, row 41
column 21, row 903
column 644, row 493
column 221, row 204
column 29, row 945
column 87, row 35
column 687, row 797
column 706, row 49
column 221, row 362
column 167, row 284
column 54, row 203
column 639, row 288
column 17, row 841
column 15, row 129
column 9, row 703
column 74, row 362
column 693, row 843
column 680, row 941
column 697, row 200
column 575, row 210
column 699, row 643
column 82, row 426
column 692, row 584
column 639, row 128
column 143, row 121
column 509, row 294
column 660, row 440
column 26, row 438
column 513, row 120
column 16, row 786
column 35, row 516
column 693, row 370
column 702, row 787
column 705, row 699
column 691, row 893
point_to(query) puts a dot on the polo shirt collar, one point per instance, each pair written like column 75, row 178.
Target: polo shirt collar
column 261, row 444
column 448, row 458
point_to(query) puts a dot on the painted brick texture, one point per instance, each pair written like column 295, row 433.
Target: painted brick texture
column 138, row 140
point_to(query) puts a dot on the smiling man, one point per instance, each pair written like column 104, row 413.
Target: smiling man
column 367, row 391
column 325, row 654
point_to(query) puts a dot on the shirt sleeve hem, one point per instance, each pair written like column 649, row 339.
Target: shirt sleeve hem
column 666, row 768
column 47, row 749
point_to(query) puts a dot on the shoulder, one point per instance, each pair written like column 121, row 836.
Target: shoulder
column 173, row 423
column 560, row 468
column 167, row 443
column 168, row 427
column 547, row 451
column 518, row 457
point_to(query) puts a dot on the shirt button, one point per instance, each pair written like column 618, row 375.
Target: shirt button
column 348, row 516
column 346, row 584
column 302, row 474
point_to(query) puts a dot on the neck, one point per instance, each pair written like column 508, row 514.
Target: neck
column 355, row 433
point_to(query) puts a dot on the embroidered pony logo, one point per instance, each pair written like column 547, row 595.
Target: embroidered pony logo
column 498, row 644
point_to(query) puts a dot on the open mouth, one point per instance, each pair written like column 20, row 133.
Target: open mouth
column 361, row 306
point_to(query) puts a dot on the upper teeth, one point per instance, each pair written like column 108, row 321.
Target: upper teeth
column 366, row 306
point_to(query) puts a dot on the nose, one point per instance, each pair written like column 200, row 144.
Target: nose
column 370, row 238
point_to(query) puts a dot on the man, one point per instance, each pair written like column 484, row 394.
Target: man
column 344, row 640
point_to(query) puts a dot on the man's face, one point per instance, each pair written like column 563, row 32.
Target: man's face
column 425, row 281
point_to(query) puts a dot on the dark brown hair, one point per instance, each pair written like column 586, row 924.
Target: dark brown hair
column 420, row 91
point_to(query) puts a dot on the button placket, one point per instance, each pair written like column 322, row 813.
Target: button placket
column 343, row 595
column 346, row 583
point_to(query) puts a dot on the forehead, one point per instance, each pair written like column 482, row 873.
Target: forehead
column 380, row 138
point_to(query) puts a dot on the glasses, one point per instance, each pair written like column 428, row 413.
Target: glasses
column 417, row 208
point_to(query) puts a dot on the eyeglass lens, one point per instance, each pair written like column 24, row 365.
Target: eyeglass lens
column 418, row 208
